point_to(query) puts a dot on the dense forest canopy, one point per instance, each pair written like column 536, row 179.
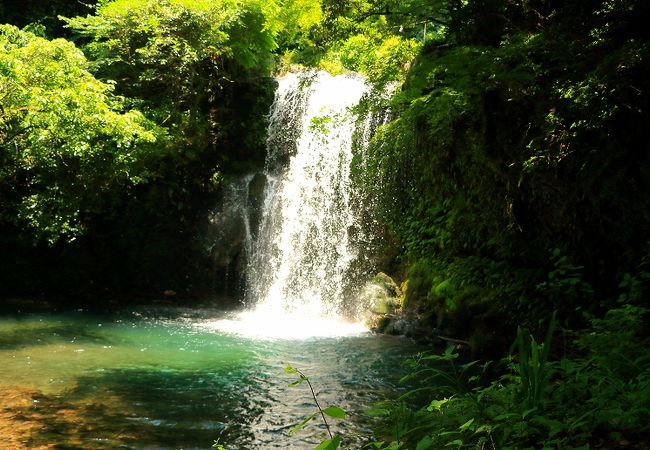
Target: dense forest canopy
column 515, row 165
column 133, row 141
column 512, row 179
column 517, row 140
column 138, row 133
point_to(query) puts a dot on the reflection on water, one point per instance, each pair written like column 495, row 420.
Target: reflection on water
column 166, row 378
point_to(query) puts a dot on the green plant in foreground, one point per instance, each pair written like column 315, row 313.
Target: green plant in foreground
column 467, row 408
column 533, row 367
column 596, row 396
column 218, row 445
column 332, row 411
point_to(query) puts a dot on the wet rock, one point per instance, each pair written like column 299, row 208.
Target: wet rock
column 385, row 300
column 398, row 326
column 381, row 323
column 256, row 190
column 230, row 236
column 388, row 285
column 232, row 225
column 381, row 295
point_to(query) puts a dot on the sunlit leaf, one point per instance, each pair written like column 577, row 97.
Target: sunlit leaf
column 302, row 424
column 329, row 444
column 334, row 411
column 297, row 382
column 466, row 425
column 435, row 405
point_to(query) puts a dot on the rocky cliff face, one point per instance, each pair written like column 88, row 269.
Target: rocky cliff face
column 233, row 225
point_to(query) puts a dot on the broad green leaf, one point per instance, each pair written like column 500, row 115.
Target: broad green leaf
column 435, row 405
column 424, row 443
column 297, row 382
column 335, row 411
column 377, row 412
column 527, row 412
column 329, row 444
column 469, row 365
column 466, row 425
column 302, row 423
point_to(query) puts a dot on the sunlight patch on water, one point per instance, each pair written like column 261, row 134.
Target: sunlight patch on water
column 265, row 324
column 171, row 378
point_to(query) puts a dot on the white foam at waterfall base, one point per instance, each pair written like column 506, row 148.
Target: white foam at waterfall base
column 284, row 325
column 299, row 263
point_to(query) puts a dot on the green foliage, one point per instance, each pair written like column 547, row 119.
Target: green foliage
column 127, row 146
column 43, row 14
column 174, row 59
column 599, row 394
column 517, row 132
column 565, row 287
column 65, row 138
column 372, row 37
column 331, row 411
column 442, row 205
column 468, row 294
column 382, row 57
column 218, row 446
column 533, row 365
column 295, row 19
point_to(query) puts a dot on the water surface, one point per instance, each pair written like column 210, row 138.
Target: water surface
column 159, row 378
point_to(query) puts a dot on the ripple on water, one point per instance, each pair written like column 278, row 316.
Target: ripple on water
column 192, row 384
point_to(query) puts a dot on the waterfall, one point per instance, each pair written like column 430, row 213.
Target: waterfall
column 303, row 251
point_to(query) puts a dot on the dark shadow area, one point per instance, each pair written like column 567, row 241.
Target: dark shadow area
column 171, row 408
column 140, row 408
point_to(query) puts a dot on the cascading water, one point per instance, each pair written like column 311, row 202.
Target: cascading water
column 302, row 253
column 166, row 376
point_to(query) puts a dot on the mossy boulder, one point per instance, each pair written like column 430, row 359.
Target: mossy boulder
column 381, row 295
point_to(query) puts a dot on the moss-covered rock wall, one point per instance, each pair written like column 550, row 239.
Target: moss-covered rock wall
column 515, row 173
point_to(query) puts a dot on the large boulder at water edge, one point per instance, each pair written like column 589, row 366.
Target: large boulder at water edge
column 381, row 295
column 384, row 299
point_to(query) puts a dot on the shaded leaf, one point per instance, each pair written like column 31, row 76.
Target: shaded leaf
column 424, row 443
